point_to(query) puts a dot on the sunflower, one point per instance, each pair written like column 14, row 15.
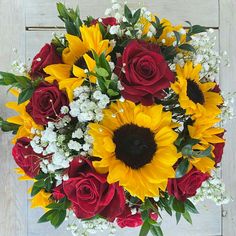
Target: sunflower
column 42, row 200
column 168, row 37
column 135, row 144
column 23, row 119
column 203, row 130
column 194, row 96
column 78, row 58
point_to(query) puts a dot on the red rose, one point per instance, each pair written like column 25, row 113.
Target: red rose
column 108, row 21
column 129, row 220
column 26, row 158
column 146, row 72
column 218, row 150
column 153, row 216
column 216, row 89
column 187, row 186
column 46, row 102
column 90, row 193
column 58, row 192
column 45, row 57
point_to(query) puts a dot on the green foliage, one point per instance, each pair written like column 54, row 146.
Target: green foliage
column 23, row 83
column 71, row 18
column 103, row 74
column 8, row 127
column 158, row 26
column 149, row 225
column 145, row 228
column 132, row 19
column 178, row 206
column 188, row 151
column 44, row 181
column 164, row 203
column 182, row 168
column 156, row 230
column 57, row 213
column 183, row 209
column 189, row 206
column 187, row 47
column 194, row 29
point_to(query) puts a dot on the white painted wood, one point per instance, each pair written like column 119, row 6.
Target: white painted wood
column 14, row 219
column 43, row 13
column 228, row 83
column 13, row 204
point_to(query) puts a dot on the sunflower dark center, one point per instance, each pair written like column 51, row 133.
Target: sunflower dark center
column 194, row 92
column 135, row 146
column 81, row 62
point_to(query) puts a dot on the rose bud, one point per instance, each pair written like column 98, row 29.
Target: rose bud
column 153, row 216
column 218, row 150
column 58, row 192
column 108, row 21
column 187, row 186
column 46, row 102
column 90, row 193
column 26, row 158
column 126, row 219
column 44, row 58
column 147, row 72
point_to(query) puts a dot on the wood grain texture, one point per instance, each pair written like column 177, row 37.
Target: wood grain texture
column 15, row 217
column 43, row 13
column 228, row 84
column 13, row 204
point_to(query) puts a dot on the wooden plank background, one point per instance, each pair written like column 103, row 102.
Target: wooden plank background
column 27, row 25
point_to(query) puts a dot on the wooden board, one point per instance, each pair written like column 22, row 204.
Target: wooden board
column 228, row 84
column 43, row 13
column 40, row 16
column 13, row 204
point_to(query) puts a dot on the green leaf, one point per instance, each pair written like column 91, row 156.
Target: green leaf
column 128, row 13
column 177, row 36
column 145, row 229
column 45, row 217
column 156, row 231
column 157, row 20
column 145, row 214
column 196, row 29
column 187, row 150
column 190, row 207
column 189, row 23
column 112, row 93
column 187, row 47
column 201, row 154
column 25, row 95
column 178, row 206
column 23, row 81
column 187, row 217
column 101, row 84
column 62, row 10
column 165, row 203
column 8, row 127
column 104, row 63
column 178, row 217
column 71, row 18
column 136, row 17
column 149, row 205
column 7, row 78
column 182, row 168
column 37, row 187
column 58, row 217
column 101, row 72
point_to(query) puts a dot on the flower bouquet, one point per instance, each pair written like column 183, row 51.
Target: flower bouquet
column 117, row 121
